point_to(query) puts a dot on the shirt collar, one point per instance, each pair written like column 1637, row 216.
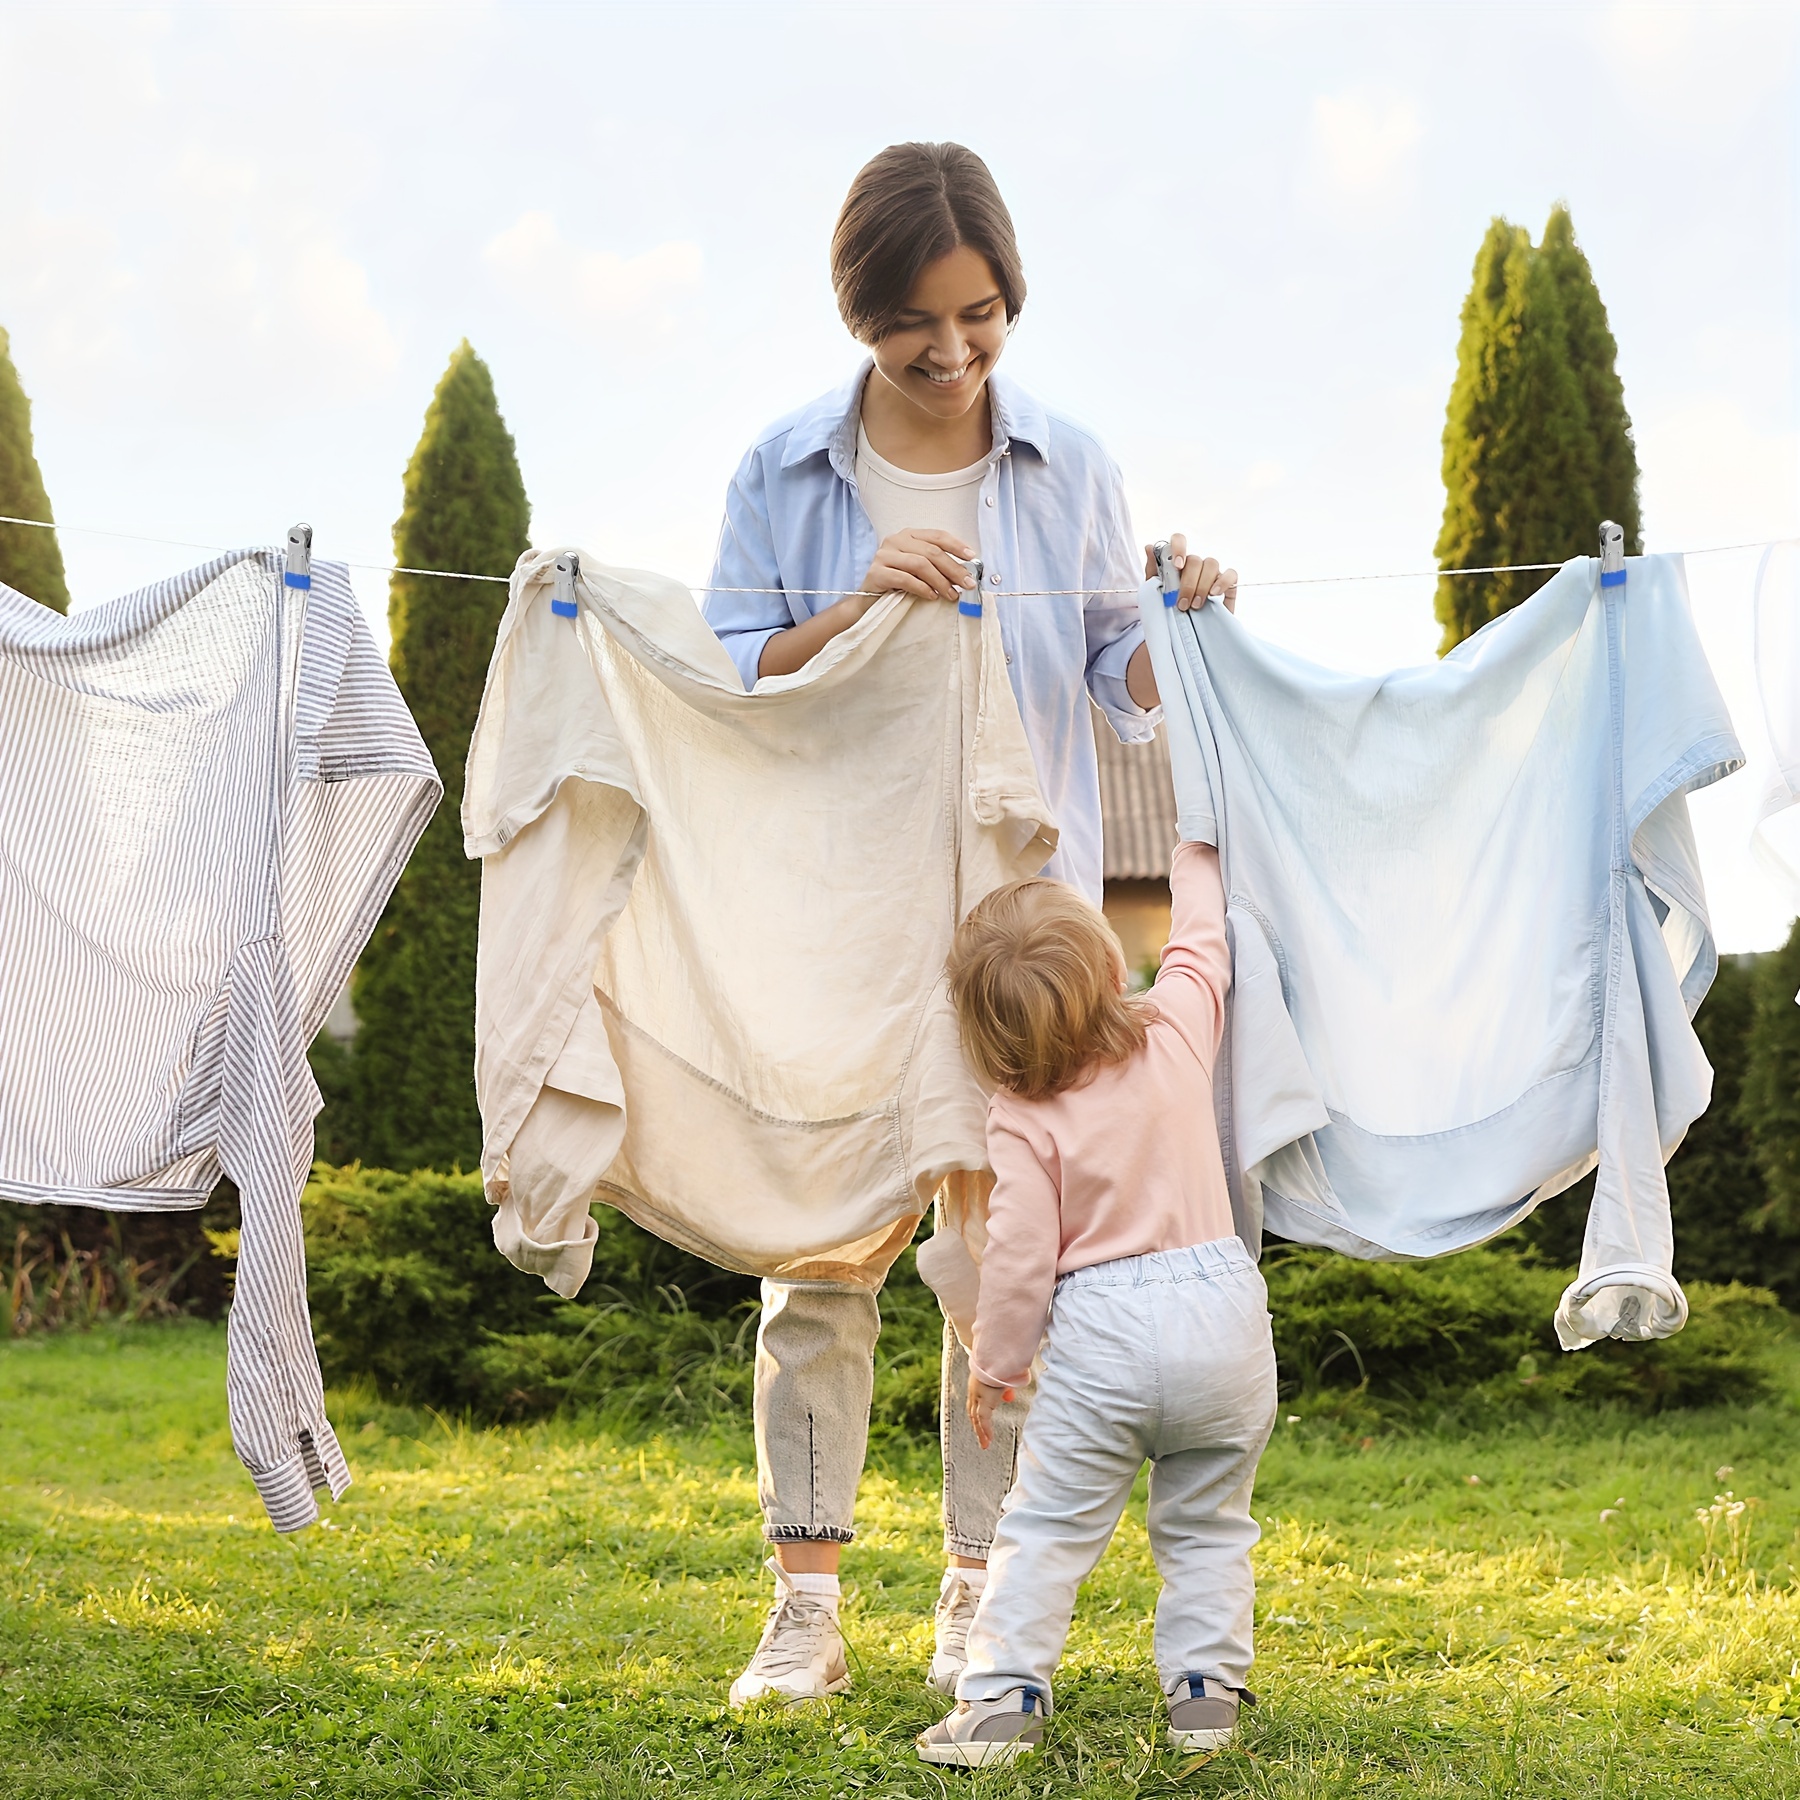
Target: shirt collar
column 829, row 424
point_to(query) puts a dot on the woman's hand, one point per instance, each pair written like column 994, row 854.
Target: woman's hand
column 924, row 565
column 983, row 1398
column 928, row 565
column 1201, row 577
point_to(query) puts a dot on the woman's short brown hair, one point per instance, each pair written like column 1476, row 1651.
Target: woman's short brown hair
column 907, row 207
column 1035, row 976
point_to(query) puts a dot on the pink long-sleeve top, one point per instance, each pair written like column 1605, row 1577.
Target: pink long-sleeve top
column 1126, row 1162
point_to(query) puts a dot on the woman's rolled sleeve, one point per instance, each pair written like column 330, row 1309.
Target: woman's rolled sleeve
column 745, row 621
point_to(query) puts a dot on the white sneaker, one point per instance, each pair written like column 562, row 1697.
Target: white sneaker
column 1206, row 1716
column 801, row 1655
column 980, row 1732
column 955, row 1613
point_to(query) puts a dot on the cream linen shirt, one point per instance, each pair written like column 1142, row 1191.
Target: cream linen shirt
column 709, row 985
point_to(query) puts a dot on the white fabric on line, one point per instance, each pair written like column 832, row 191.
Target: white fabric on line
column 207, row 790
column 713, row 924
column 1775, row 837
column 1468, row 925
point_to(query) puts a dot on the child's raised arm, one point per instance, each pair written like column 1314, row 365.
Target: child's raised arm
column 1195, row 975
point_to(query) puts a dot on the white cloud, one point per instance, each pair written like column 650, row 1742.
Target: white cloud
column 1711, row 475
column 253, row 285
column 239, row 280
column 1702, row 56
column 1363, row 144
column 67, row 294
column 1651, row 37
column 591, row 289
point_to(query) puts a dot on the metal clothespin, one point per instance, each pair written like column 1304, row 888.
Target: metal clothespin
column 1612, row 554
column 298, row 572
column 1165, row 572
column 568, row 571
column 969, row 605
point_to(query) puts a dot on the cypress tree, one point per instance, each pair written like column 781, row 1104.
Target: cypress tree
column 30, row 560
column 414, row 992
column 1593, row 355
column 1537, row 445
column 1769, row 1107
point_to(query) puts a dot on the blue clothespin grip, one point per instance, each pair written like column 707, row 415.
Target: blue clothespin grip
column 970, row 603
column 1612, row 554
column 1165, row 572
column 298, row 570
column 562, row 602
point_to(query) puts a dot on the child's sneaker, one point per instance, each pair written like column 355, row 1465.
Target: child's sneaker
column 1206, row 1716
column 955, row 1613
column 801, row 1655
column 980, row 1732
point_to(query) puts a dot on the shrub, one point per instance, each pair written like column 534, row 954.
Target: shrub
column 409, row 1293
column 1480, row 1323
column 1728, row 1227
column 69, row 1266
column 408, row 1290
column 1768, row 1105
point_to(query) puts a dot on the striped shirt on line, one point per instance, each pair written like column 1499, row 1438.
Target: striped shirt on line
column 207, row 792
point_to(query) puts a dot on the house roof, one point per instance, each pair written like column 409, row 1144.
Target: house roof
column 1137, row 805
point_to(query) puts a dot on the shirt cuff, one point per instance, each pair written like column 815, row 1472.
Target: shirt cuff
column 981, row 1374
column 745, row 649
column 1131, row 723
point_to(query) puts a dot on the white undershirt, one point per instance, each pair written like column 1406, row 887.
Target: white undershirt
column 900, row 500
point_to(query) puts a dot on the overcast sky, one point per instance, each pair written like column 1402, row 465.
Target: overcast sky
column 238, row 243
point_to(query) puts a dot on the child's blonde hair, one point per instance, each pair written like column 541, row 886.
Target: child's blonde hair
column 1036, row 975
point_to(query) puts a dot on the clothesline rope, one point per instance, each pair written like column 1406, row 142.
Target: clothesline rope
column 138, row 537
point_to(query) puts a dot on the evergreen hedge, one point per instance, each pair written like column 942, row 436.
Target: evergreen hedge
column 1479, row 1325
column 1726, row 1226
column 409, row 1294
column 411, row 1101
column 30, row 560
column 1768, row 1107
column 1537, row 442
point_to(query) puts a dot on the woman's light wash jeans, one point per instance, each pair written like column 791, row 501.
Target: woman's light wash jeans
column 1167, row 1357
column 815, row 1372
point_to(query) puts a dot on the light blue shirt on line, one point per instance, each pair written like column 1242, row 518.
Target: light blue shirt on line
column 1053, row 515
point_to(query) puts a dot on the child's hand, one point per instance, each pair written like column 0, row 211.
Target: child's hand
column 1201, row 577
column 983, row 1398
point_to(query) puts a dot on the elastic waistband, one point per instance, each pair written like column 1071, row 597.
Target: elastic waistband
column 1198, row 1262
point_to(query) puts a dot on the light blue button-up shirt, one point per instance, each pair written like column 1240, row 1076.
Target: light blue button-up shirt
column 1053, row 515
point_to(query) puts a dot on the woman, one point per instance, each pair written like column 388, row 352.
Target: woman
column 922, row 462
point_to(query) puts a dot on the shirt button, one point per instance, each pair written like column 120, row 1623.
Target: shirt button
column 990, row 499
column 994, row 579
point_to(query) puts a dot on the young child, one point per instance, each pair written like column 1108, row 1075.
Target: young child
column 1109, row 1219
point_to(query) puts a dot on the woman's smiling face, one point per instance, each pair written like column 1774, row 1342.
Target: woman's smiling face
column 948, row 336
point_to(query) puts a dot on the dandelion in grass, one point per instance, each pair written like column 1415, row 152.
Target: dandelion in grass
column 1725, row 1529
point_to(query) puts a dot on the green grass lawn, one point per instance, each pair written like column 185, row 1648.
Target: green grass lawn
column 555, row 1609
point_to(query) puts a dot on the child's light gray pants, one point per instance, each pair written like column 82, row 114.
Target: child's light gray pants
column 1167, row 1357
column 815, row 1373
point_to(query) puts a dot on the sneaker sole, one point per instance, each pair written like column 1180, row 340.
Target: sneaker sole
column 973, row 1756
column 1202, row 1740
column 739, row 1701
